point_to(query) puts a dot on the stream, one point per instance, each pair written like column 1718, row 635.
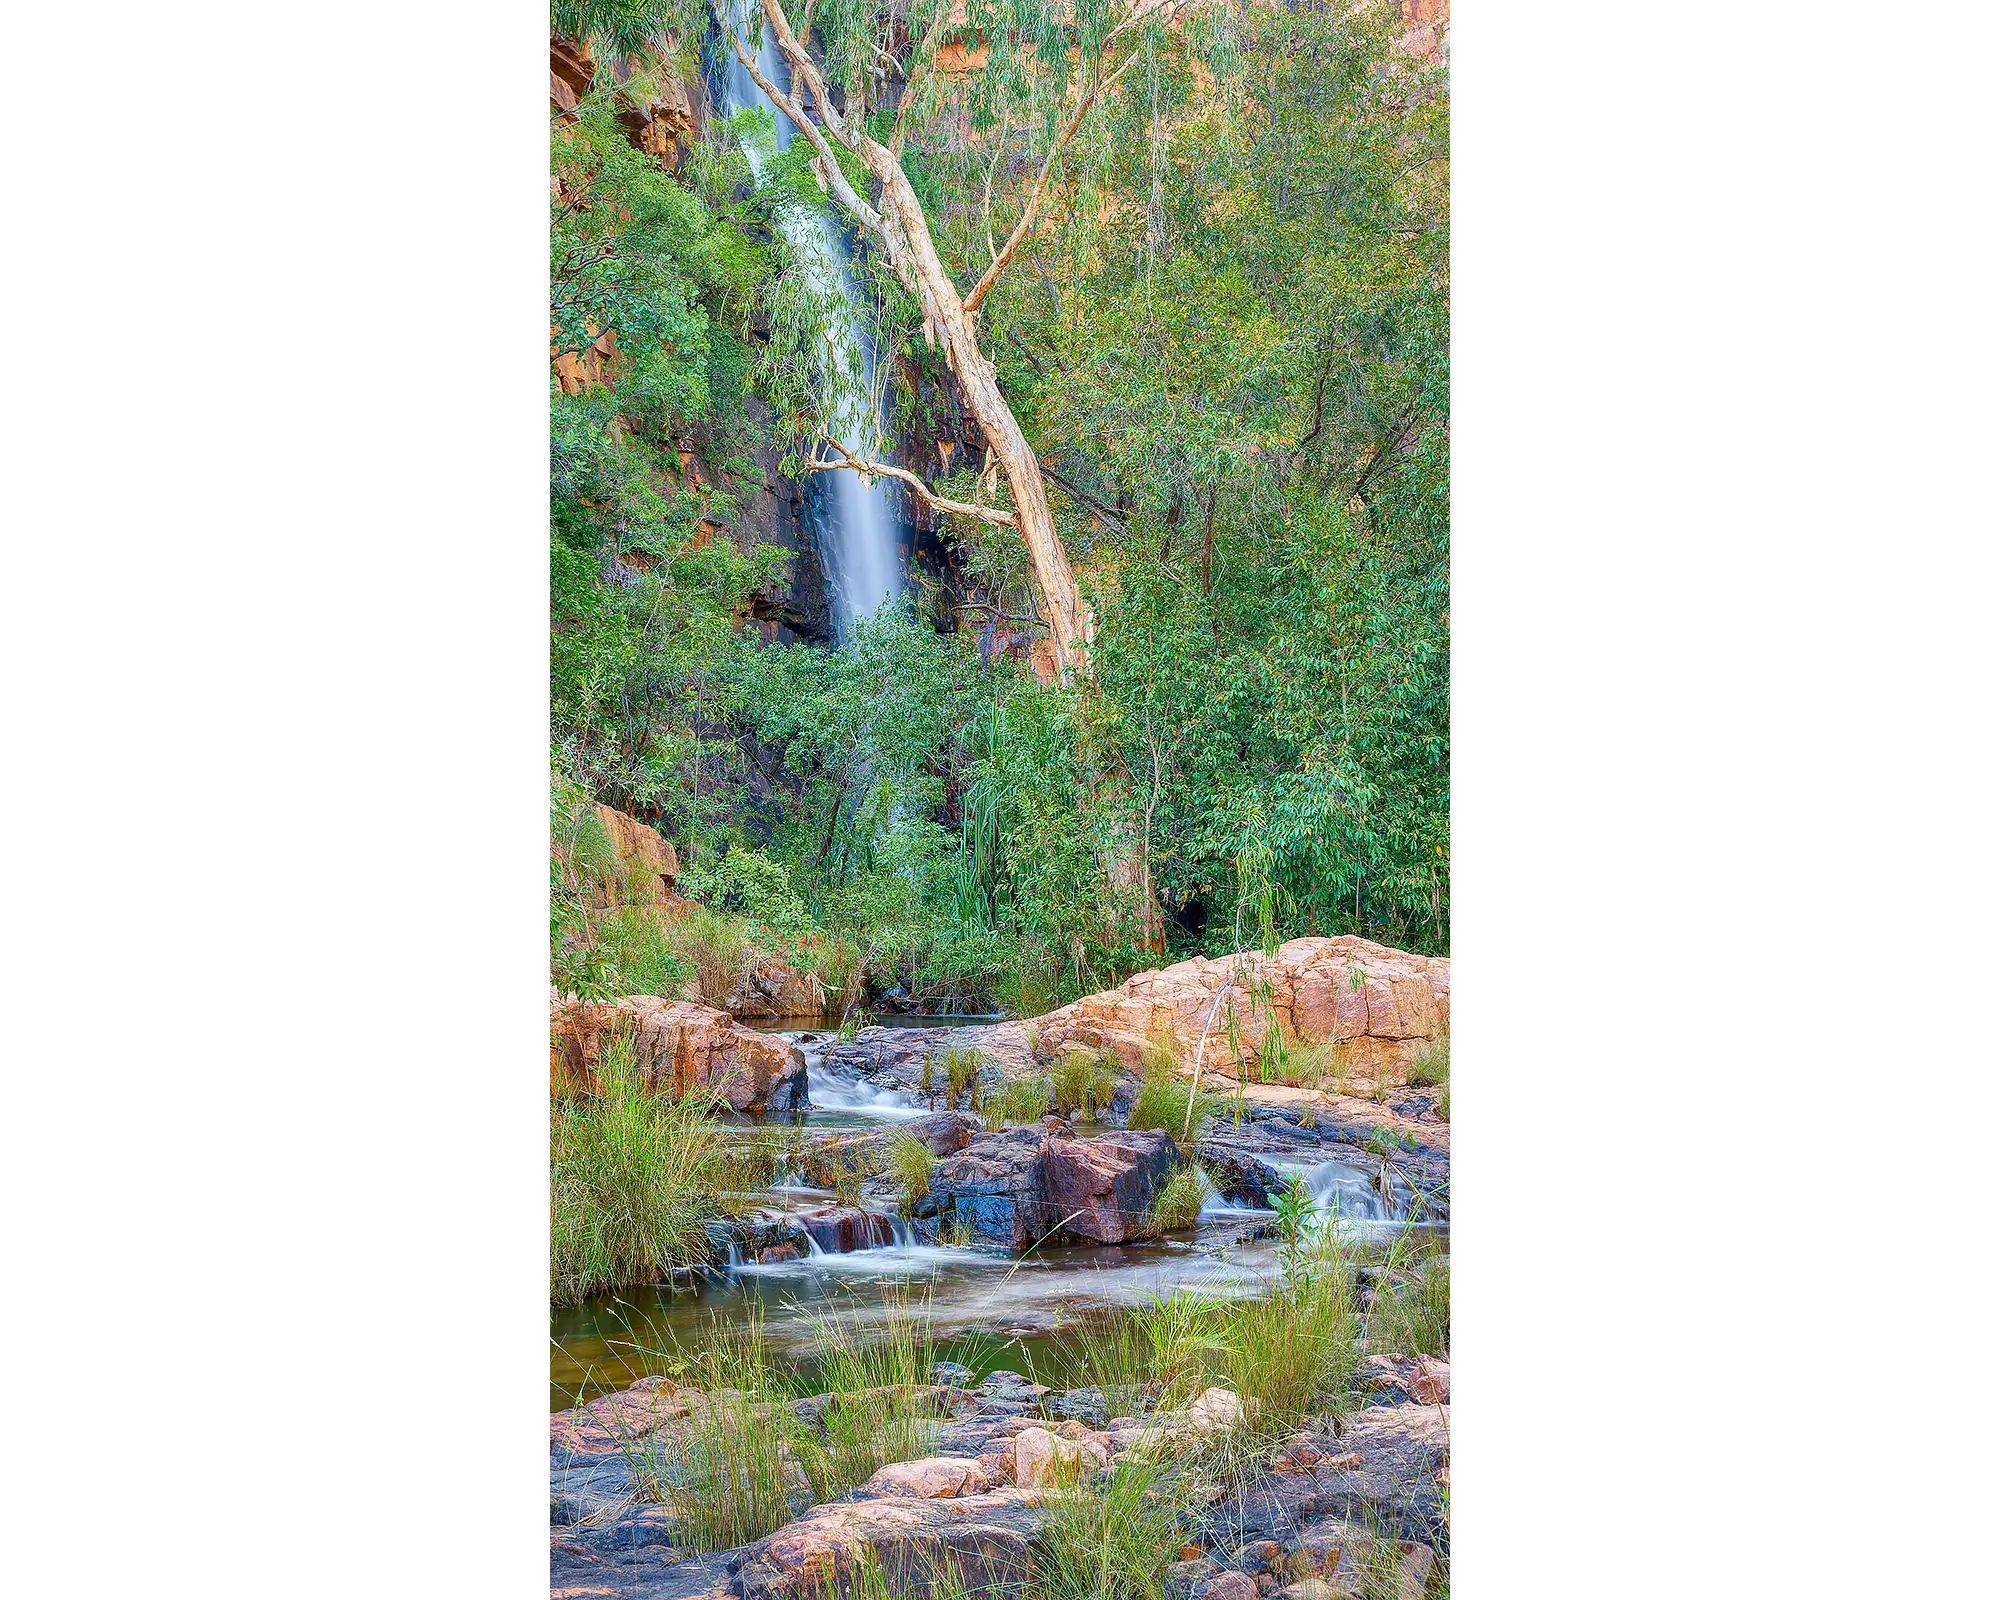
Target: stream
column 988, row 1309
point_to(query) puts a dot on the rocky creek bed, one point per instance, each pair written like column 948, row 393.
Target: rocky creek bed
column 1023, row 1232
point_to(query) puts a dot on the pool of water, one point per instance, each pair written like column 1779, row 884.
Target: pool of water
column 987, row 1309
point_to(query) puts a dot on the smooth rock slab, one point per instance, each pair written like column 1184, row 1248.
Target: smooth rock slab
column 983, row 1538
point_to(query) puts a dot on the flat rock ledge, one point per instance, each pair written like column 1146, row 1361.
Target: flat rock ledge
column 1371, row 1006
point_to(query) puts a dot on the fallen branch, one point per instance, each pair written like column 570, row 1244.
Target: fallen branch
column 937, row 502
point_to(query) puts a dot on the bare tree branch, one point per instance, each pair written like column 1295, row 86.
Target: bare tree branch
column 937, row 502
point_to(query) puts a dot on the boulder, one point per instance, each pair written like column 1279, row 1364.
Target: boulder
column 1216, row 1411
column 932, row 1478
column 1104, row 1187
column 1432, row 1384
column 646, row 869
column 1229, row 1586
column 681, row 1048
column 1044, row 1460
column 840, row 1229
column 770, row 987
column 1373, row 1006
column 943, row 1133
column 1022, row 1185
column 982, row 1539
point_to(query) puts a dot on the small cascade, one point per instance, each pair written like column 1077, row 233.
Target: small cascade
column 831, row 1091
column 1216, row 1206
column 735, row 1262
column 1344, row 1191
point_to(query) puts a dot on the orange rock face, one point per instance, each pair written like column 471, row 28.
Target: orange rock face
column 648, row 867
column 1371, row 1006
column 681, row 1048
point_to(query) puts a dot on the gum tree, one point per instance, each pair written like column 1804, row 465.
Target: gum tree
column 1078, row 52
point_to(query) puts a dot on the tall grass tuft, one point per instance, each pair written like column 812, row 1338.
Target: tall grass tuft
column 909, row 1162
column 728, row 1471
column 1016, row 1103
column 836, row 962
column 961, row 1072
column 1083, row 1082
column 714, row 949
column 1162, row 1100
column 1414, row 1318
column 1180, row 1199
column 884, row 1412
column 631, row 1176
column 1110, row 1540
column 1293, row 1355
column 1432, row 1064
column 642, row 953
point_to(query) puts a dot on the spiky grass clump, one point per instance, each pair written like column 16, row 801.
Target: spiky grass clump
column 631, row 1178
column 961, row 1071
column 1112, row 1539
column 1293, row 1355
column 714, row 948
column 1432, row 1065
column 884, row 1408
column 729, row 1470
column 642, row 955
column 909, row 1163
column 1180, row 1199
column 1083, row 1081
column 1016, row 1103
column 1414, row 1317
column 836, row 962
column 1163, row 1098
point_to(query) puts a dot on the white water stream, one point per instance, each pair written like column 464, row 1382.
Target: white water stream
column 854, row 520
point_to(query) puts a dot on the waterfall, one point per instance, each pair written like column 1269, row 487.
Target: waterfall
column 853, row 521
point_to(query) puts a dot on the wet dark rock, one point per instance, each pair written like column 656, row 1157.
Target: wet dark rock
column 943, row 1133
column 1085, row 1405
column 1005, row 1385
column 954, row 1374
column 1020, row 1186
column 750, row 1237
column 841, row 1229
column 589, row 1489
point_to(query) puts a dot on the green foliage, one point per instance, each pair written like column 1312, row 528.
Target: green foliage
column 1083, row 1081
column 1164, row 1099
column 1228, row 337
column 1180, row 1199
column 1016, row 1103
column 630, row 1181
column 883, row 1413
column 909, row 1162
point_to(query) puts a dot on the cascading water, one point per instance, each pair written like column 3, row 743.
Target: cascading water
column 854, row 521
